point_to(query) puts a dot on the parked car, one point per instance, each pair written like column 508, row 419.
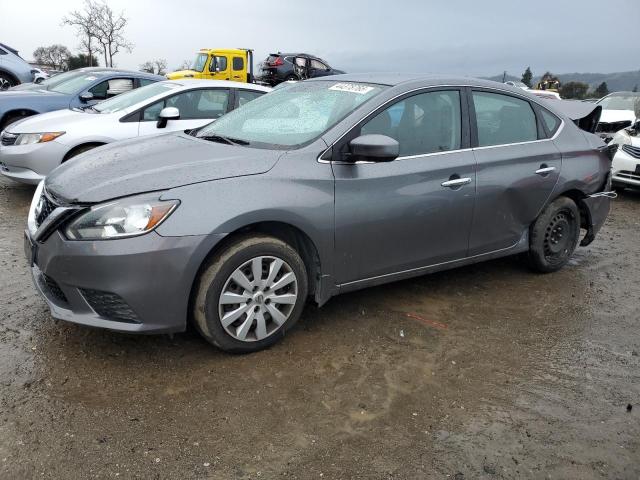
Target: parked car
column 59, row 78
column 319, row 188
column 13, row 69
column 39, row 75
column 282, row 67
column 74, row 90
column 618, row 112
column 31, row 148
column 625, row 168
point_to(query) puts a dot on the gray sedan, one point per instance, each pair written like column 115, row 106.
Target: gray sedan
column 316, row 189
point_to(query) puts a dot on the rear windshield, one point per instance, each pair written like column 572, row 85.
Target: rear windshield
column 292, row 116
column 619, row 102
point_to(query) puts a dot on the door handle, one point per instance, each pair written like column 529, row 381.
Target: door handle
column 544, row 170
column 456, row 182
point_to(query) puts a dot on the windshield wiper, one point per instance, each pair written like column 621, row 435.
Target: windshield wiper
column 222, row 139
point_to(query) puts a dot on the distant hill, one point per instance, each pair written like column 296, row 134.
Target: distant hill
column 615, row 81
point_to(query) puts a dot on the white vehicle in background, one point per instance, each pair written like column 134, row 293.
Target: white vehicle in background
column 39, row 75
column 618, row 112
column 517, row 84
column 31, row 148
column 625, row 168
column 548, row 94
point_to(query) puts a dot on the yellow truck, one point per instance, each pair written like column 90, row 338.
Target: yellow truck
column 235, row 64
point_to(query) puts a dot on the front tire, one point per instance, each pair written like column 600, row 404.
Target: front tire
column 250, row 294
column 6, row 82
column 554, row 236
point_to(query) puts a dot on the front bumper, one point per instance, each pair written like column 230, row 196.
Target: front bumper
column 139, row 284
column 31, row 163
column 625, row 169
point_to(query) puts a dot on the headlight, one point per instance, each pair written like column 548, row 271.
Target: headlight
column 29, row 138
column 127, row 217
column 621, row 138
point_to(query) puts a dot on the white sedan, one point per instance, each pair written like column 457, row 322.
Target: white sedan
column 33, row 147
column 625, row 169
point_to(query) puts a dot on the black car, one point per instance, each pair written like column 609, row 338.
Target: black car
column 282, row 67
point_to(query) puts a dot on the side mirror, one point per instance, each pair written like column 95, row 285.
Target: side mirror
column 374, row 148
column 166, row 114
column 86, row 97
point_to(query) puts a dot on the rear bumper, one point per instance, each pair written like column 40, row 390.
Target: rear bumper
column 597, row 207
column 138, row 285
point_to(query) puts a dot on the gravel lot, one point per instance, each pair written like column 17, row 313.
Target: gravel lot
column 488, row 371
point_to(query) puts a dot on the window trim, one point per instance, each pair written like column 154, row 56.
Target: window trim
column 475, row 144
column 337, row 156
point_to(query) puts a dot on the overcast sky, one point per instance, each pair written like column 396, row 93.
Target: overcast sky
column 467, row 37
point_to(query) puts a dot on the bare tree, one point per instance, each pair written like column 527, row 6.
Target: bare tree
column 185, row 65
column 55, row 56
column 99, row 28
column 85, row 23
column 109, row 28
column 157, row 66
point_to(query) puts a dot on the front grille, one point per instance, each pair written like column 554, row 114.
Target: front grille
column 631, row 150
column 8, row 139
column 110, row 306
column 44, row 208
column 51, row 286
column 612, row 127
column 629, row 175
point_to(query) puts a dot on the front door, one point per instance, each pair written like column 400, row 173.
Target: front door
column 415, row 211
column 196, row 107
column 517, row 170
column 219, row 67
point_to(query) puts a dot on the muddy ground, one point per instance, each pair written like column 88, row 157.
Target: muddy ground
column 488, row 371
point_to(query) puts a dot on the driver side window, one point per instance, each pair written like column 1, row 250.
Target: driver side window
column 423, row 123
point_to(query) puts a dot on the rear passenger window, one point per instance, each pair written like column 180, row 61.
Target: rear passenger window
column 424, row 123
column 503, row 119
column 551, row 121
column 238, row 63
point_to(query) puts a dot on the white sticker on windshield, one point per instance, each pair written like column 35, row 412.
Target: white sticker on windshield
column 352, row 88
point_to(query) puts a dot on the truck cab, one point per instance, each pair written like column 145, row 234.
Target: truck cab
column 235, row 64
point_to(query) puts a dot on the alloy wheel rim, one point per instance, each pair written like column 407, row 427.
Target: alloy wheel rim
column 258, row 298
column 4, row 84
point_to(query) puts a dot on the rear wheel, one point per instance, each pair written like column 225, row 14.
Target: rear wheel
column 6, row 82
column 250, row 294
column 554, row 236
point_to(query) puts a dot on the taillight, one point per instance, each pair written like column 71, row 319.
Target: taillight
column 277, row 62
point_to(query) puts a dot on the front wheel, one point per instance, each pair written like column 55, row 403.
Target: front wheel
column 250, row 294
column 6, row 82
column 554, row 236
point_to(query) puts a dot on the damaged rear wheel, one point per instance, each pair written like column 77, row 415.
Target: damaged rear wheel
column 554, row 236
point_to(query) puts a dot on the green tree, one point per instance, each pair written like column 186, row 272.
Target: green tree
column 576, row 90
column 54, row 56
column 81, row 60
column 526, row 77
column 601, row 91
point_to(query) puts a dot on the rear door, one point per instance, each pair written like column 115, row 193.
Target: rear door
column 518, row 168
column 197, row 108
column 318, row 69
column 406, row 214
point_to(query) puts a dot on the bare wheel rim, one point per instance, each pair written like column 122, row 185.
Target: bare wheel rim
column 4, row 84
column 257, row 299
column 559, row 236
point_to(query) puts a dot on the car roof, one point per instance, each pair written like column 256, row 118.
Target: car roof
column 393, row 79
column 194, row 82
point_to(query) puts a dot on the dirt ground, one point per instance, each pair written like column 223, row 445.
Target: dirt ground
column 484, row 372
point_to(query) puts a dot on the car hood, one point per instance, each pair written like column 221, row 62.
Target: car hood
column 57, row 121
column 150, row 164
column 181, row 74
column 610, row 116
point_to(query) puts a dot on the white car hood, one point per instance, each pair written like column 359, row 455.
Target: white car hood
column 58, row 121
column 610, row 116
